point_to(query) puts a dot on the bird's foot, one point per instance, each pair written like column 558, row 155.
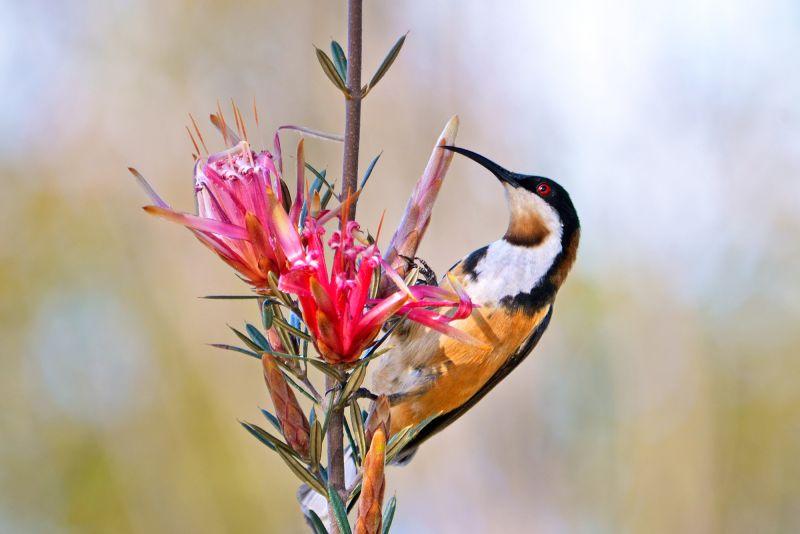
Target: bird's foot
column 428, row 275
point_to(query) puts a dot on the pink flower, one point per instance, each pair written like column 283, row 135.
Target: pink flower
column 231, row 190
column 342, row 319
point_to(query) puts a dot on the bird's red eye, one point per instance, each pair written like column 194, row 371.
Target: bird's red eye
column 544, row 190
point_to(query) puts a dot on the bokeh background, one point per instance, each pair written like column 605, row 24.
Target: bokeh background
column 664, row 397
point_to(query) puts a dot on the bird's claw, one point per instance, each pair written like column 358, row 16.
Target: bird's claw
column 428, row 275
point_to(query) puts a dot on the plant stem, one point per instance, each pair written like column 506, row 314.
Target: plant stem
column 352, row 124
column 352, row 134
column 335, row 441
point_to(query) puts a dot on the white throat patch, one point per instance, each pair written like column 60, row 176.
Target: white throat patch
column 508, row 270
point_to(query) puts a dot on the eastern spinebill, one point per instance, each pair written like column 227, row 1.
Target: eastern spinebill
column 514, row 280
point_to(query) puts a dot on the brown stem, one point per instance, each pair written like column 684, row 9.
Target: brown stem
column 335, row 451
column 352, row 113
column 352, row 133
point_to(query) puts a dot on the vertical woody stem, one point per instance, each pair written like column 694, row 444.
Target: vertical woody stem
column 352, row 133
column 352, row 125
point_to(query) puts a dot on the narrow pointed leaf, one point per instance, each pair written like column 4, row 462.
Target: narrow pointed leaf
column 354, row 382
column 339, row 512
column 280, row 323
column 316, row 523
column 325, row 368
column 267, row 314
column 358, row 427
column 313, row 133
column 369, row 171
column 353, row 447
column 354, row 495
column 330, row 70
column 236, row 349
column 246, row 340
column 397, row 443
column 268, row 439
column 257, row 337
column 339, row 59
column 387, row 62
column 302, row 473
column 273, row 420
column 231, row 297
column 388, row 515
column 315, row 444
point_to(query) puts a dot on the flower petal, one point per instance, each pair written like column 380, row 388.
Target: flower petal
column 284, row 231
column 439, row 322
column 294, row 213
column 148, row 188
column 199, row 223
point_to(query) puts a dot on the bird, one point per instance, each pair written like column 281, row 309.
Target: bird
column 514, row 281
column 430, row 377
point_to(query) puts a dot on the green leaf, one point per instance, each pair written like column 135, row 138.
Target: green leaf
column 246, row 340
column 268, row 439
column 297, row 386
column 339, row 512
column 258, row 436
column 369, row 171
column 397, row 443
column 280, row 323
column 313, row 133
column 316, row 523
column 387, row 62
column 325, row 368
column 267, row 314
column 273, row 420
column 339, row 59
column 235, row 349
column 315, row 444
column 319, row 174
column 358, row 426
column 330, row 70
column 353, row 382
column 258, row 337
column 388, row 515
column 302, row 473
column 353, row 447
column 328, row 413
column 231, row 297
column 354, row 495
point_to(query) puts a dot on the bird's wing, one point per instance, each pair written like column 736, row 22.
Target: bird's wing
column 440, row 422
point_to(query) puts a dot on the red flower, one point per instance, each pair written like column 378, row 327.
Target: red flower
column 231, row 192
column 342, row 319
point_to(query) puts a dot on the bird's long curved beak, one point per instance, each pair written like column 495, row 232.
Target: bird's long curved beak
column 502, row 174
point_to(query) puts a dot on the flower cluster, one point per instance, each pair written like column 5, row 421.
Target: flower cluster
column 246, row 216
column 335, row 300
column 232, row 212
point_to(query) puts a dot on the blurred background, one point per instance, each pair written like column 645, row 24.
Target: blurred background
column 664, row 397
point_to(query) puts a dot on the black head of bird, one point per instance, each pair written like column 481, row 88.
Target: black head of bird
column 528, row 265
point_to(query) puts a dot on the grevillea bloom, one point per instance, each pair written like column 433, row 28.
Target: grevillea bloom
column 231, row 191
column 342, row 319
